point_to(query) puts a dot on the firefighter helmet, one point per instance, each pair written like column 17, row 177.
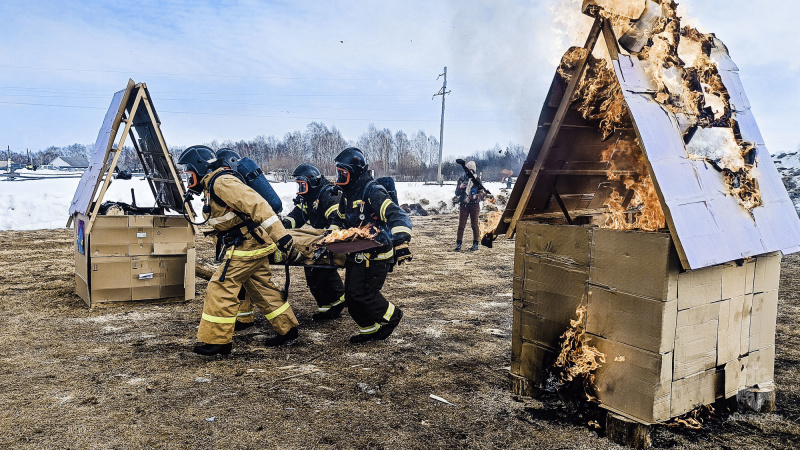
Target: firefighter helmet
column 308, row 178
column 228, row 157
column 197, row 161
column 350, row 164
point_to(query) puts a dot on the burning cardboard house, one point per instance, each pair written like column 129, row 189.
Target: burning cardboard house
column 123, row 252
column 649, row 199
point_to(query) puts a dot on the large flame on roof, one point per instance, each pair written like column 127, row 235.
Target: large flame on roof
column 687, row 83
column 643, row 211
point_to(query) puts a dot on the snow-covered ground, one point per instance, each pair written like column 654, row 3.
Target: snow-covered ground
column 32, row 204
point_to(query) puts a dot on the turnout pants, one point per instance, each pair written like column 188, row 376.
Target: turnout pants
column 222, row 300
column 470, row 210
column 363, row 283
column 326, row 286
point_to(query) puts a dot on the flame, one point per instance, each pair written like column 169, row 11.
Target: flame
column 692, row 420
column 644, row 211
column 577, row 358
column 492, row 220
column 598, row 98
column 368, row 231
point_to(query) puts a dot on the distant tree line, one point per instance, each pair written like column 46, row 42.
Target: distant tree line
column 407, row 157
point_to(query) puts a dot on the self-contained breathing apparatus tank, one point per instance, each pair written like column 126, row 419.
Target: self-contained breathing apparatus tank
column 253, row 176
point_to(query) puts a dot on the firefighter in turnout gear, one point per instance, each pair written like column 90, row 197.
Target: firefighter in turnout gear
column 316, row 204
column 250, row 231
column 364, row 201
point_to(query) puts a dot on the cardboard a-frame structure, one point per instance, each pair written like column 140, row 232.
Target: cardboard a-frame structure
column 123, row 258
column 684, row 316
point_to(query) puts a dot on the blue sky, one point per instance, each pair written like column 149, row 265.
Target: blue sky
column 238, row 69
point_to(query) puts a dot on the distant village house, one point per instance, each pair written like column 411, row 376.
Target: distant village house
column 70, row 163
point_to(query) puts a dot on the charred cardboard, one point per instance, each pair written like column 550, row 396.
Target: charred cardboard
column 634, row 381
column 637, row 321
column 643, row 264
column 696, row 340
column 699, row 287
column 531, row 361
column 729, row 334
column 763, row 320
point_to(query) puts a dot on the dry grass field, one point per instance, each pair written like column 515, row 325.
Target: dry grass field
column 126, row 378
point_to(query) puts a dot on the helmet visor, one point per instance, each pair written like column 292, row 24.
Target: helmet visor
column 342, row 176
column 302, row 186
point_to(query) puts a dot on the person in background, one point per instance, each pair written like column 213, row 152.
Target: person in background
column 469, row 199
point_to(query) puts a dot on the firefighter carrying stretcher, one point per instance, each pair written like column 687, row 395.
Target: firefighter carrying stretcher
column 365, row 201
column 250, row 231
column 316, row 204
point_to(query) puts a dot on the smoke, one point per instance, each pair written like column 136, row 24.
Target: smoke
column 512, row 48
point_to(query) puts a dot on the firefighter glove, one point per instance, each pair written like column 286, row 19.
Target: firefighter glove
column 285, row 244
column 402, row 253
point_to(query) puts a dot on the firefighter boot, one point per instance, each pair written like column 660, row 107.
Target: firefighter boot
column 474, row 247
column 212, row 349
column 383, row 332
column 458, row 246
column 281, row 339
column 242, row 325
column 333, row 313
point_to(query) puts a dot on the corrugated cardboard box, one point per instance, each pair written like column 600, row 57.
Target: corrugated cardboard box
column 768, row 272
column 644, row 264
column 637, row 321
column 734, row 280
column 747, row 311
column 117, row 261
column 763, row 320
column 633, row 381
column 761, row 367
column 729, row 334
column 568, row 243
column 696, row 340
column 699, row 287
column 693, row 391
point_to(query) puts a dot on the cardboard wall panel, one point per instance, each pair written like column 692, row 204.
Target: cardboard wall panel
column 643, row 264
column 763, row 320
column 564, row 242
column 734, row 280
column 696, row 340
column 761, row 367
column 534, row 360
column 768, row 272
column 634, row 381
column 729, row 335
column 693, row 391
column 699, row 287
column 747, row 311
column 637, row 321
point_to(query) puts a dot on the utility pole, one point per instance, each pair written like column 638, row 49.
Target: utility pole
column 443, row 92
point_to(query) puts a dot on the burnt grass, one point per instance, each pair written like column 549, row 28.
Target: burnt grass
column 125, row 377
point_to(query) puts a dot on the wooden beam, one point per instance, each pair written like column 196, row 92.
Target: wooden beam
column 611, row 41
column 573, row 213
column 589, row 172
column 189, row 212
column 561, row 113
column 561, row 205
column 110, row 169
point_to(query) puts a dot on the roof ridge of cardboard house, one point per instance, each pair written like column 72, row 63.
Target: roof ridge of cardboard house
column 707, row 226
